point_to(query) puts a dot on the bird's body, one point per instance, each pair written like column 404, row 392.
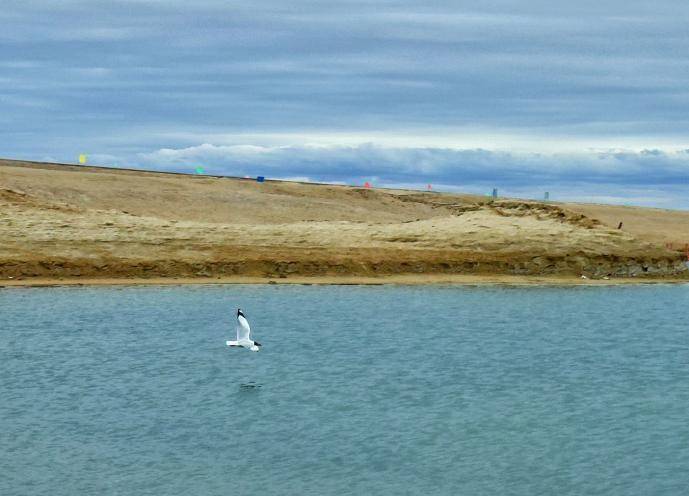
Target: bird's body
column 244, row 334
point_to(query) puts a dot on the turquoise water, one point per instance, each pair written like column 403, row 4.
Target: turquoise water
column 357, row 390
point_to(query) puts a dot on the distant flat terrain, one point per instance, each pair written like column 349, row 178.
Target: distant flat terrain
column 68, row 221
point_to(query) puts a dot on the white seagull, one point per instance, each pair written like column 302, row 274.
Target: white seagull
column 244, row 334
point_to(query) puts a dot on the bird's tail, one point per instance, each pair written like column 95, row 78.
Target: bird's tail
column 232, row 343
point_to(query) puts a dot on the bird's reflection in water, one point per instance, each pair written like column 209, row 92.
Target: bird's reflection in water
column 250, row 386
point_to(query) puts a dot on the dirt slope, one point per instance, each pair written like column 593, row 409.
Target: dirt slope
column 72, row 221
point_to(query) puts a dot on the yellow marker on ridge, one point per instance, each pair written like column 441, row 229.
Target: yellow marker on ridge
column 82, row 159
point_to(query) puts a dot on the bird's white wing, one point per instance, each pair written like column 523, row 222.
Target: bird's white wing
column 243, row 329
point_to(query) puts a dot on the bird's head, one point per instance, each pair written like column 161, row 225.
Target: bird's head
column 239, row 312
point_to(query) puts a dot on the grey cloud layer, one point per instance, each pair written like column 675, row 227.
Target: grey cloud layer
column 268, row 65
column 615, row 174
column 652, row 167
column 115, row 77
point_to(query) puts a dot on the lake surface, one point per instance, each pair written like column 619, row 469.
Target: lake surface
column 357, row 390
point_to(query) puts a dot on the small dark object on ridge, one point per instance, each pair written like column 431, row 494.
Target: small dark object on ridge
column 260, row 179
column 620, row 226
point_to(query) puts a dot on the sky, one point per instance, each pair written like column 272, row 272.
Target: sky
column 587, row 100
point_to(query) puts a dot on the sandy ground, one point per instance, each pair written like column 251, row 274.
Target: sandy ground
column 85, row 223
column 656, row 225
column 399, row 279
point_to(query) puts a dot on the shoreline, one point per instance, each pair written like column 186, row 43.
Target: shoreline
column 71, row 226
column 402, row 279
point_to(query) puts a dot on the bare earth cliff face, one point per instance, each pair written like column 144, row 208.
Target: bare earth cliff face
column 71, row 221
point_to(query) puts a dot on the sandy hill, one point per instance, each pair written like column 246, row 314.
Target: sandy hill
column 75, row 221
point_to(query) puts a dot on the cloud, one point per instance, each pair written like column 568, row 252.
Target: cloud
column 367, row 65
column 453, row 169
column 523, row 94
